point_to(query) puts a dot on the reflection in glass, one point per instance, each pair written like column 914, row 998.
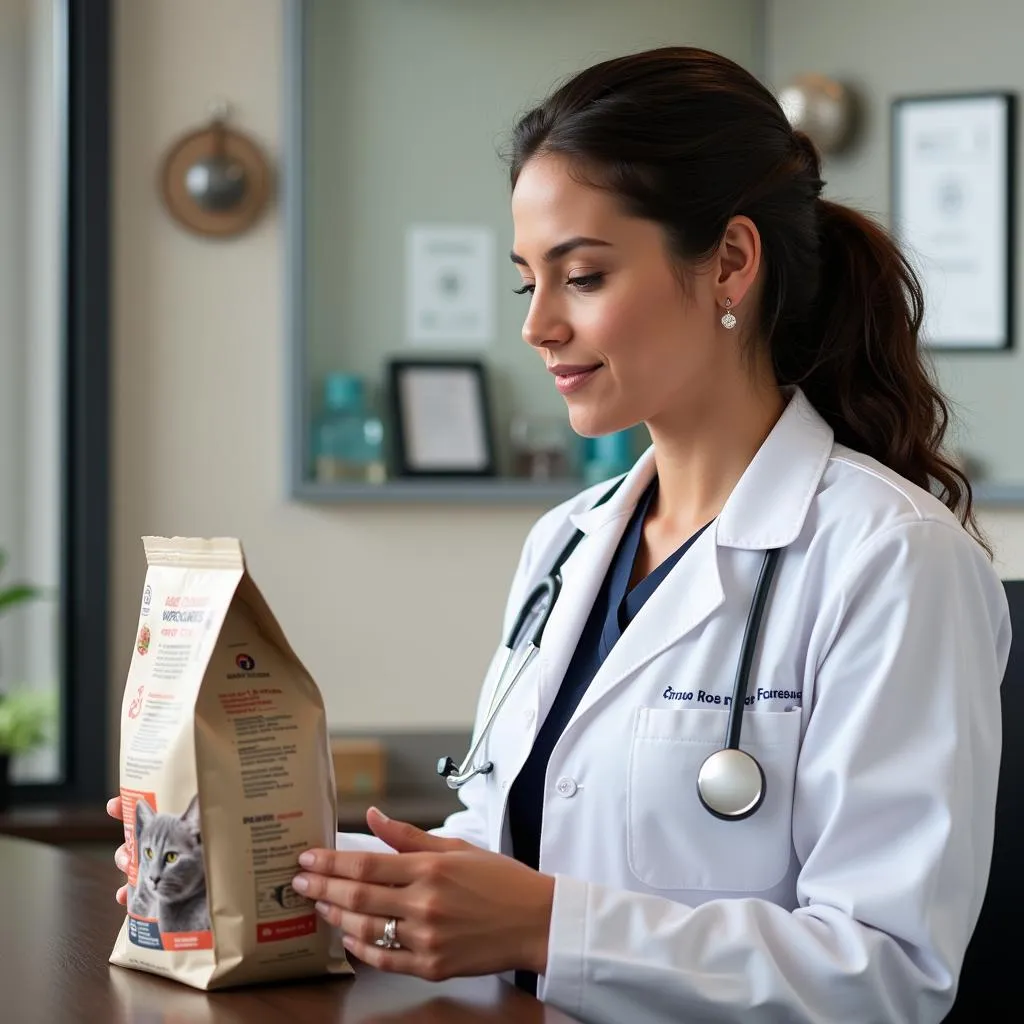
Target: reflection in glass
column 405, row 109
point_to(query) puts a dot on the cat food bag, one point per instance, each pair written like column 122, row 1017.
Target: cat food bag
column 226, row 777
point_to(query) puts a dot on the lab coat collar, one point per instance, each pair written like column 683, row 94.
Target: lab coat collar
column 769, row 503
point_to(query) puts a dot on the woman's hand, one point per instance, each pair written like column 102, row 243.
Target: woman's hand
column 121, row 854
column 460, row 910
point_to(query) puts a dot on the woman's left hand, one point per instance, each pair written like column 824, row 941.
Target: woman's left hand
column 460, row 910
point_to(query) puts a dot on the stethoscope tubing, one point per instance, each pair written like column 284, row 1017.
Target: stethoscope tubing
column 456, row 781
column 747, row 649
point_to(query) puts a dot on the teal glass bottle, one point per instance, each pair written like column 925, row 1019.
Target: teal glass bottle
column 348, row 438
column 608, row 455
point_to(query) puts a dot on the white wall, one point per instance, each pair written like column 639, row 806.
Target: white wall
column 370, row 597
column 891, row 48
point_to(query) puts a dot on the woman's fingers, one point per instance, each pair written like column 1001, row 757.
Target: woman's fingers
column 359, row 897
column 365, row 928
column 121, row 853
column 360, row 866
column 398, row 961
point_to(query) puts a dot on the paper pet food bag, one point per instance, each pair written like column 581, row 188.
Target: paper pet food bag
column 226, row 777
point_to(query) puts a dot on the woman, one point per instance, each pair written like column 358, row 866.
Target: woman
column 683, row 272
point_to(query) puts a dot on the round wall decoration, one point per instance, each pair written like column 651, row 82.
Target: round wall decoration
column 215, row 181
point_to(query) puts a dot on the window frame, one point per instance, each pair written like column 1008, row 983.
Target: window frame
column 82, row 54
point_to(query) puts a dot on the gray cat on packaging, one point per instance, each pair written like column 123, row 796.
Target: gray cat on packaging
column 171, row 877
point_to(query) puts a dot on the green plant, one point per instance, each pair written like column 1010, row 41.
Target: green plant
column 17, row 593
column 25, row 715
column 25, row 720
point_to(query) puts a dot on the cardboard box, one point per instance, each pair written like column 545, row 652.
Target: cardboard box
column 360, row 767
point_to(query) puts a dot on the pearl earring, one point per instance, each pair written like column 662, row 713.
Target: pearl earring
column 728, row 319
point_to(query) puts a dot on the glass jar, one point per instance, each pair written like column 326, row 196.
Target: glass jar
column 541, row 447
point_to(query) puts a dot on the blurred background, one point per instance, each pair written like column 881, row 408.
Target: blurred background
column 254, row 283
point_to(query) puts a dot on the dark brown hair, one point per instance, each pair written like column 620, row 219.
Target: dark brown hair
column 689, row 139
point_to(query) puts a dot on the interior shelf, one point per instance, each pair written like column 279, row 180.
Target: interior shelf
column 511, row 491
column 483, row 491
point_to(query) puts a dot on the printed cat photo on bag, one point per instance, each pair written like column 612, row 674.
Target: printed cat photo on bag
column 171, row 881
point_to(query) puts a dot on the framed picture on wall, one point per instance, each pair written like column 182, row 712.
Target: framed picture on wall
column 953, row 212
column 442, row 418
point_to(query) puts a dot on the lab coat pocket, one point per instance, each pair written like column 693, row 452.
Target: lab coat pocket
column 673, row 842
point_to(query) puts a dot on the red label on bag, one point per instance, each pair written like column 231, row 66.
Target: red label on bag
column 292, row 928
column 187, row 940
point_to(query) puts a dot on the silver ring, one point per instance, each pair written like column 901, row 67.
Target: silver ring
column 390, row 939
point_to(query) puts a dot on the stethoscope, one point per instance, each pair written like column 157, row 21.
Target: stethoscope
column 730, row 782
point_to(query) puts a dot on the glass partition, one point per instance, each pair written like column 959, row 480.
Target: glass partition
column 397, row 204
column 400, row 234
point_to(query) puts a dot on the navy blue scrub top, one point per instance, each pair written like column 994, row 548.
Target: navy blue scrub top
column 614, row 609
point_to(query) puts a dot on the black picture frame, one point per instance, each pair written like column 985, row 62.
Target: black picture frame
column 428, row 438
column 992, row 236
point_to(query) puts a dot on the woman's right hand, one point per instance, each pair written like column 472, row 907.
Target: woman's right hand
column 121, row 855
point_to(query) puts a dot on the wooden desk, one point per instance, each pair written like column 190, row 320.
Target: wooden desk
column 58, row 922
column 64, row 826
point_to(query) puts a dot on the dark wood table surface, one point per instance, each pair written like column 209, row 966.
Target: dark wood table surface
column 58, row 922
column 70, row 825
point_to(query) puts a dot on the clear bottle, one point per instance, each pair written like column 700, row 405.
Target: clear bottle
column 348, row 439
column 541, row 447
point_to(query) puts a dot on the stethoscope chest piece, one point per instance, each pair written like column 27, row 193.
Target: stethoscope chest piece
column 730, row 784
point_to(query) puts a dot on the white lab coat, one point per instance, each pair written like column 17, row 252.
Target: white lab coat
column 852, row 893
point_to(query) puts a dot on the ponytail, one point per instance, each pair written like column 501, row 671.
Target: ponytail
column 857, row 358
column 688, row 139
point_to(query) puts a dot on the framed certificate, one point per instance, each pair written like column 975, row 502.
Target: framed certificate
column 442, row 418
column 953, row 213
